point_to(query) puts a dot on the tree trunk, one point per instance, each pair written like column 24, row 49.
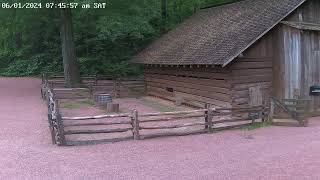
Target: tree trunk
column 18, row 40
column 164, row 14
column 71, row 72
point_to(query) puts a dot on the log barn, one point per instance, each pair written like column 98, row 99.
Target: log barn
column 238, row 54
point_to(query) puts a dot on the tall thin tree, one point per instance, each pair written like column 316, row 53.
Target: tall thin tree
column 71, row 71
column 164, row 14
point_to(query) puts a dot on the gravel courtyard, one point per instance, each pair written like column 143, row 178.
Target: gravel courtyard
column 269, row 153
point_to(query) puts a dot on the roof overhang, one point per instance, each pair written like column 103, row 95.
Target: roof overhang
column 263, row 34
column 302, row 25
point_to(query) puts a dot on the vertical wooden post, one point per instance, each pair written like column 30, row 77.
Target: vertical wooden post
column 306, row 113
column 272, row 107
column 48, row 102
column 91, row 90
column 42, row 78
column 119, row 84
column 206, row 117
column 42, row 91
column 210, row 117
column 253, row 118
column 135, row 125
column 51, row 127
column 56, row 106
column 145, row 86
column 60, row 126
column 263, row 114
column 115, row 93
column 61, row 140
column 96, row 79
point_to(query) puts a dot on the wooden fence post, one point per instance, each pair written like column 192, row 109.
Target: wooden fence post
column 48, row 102
column 272, row 108
column 96, row 79
column 51, row 127
column 210, row 117
column 90, row 86
column 135, row 125
column 60, row 126
column 206, row 116
column 115, row 88
column 42, row 78
column 61, row 137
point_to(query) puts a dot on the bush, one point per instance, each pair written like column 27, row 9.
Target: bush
column 30, row 67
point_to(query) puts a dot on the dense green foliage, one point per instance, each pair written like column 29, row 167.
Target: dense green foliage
column 105, row 39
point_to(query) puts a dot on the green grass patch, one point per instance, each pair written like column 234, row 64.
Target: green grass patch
column 89, row 102
column 82, row 93
column 78, row 105
column 158, row 106
column 255, row 126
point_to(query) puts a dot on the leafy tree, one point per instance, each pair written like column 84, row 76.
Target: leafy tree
column 104, row 39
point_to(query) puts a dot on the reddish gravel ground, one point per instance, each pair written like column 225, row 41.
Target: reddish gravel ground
column 269, row 153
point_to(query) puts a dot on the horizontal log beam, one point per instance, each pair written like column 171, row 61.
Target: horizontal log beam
column 99, row 141
column 69, row 89
column 231, row 120
column 241, row 108
column 96, row 117
column 232, row 127
column 173, row 134
column 172, row 113
column 171, row 118
column 96, row 124
column 173, row 127
column 97, row 131
column 78, row 97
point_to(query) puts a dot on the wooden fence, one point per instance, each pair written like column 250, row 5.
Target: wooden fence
column 54, row 117
column 143, row 126
column 297, row 109
column 117, row 87
column 132, row 125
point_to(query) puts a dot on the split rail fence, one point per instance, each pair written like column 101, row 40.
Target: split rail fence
column 157, row 124
column 136, row 126
column 93, row 85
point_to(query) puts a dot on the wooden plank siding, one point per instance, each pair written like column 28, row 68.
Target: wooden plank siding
column 297, row 60
column 253, row 69
column 301, row 66
column 308, row 12
column 196, row 85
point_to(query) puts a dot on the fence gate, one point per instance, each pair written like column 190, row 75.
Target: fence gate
column 297, row 109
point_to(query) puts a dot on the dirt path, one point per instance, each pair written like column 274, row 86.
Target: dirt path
column 26, row 152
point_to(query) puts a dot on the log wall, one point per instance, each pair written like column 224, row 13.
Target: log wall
column 253, row 69
column 195, row 85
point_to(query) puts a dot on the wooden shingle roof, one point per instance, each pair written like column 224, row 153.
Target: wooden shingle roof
column 216, row 36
